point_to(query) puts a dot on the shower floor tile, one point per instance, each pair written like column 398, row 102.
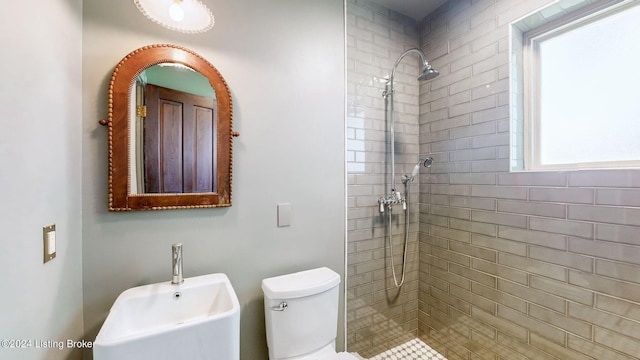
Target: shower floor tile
column 412, row 349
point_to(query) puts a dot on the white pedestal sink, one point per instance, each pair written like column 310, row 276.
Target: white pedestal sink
column 196, row 320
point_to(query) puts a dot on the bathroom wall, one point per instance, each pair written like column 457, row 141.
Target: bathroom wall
column 284, row 63
column 40, row 157
column 379, row 316
column 539, row 265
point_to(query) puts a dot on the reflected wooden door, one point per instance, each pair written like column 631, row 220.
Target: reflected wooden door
column 179, row 142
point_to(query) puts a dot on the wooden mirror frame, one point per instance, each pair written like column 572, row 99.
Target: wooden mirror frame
column 119, row 122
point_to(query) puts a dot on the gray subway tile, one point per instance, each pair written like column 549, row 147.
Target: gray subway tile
column 580, row 229
column 605, row 214
column 474, row 179
column 472, row 106
column 619, row 271
column 499, row 244
column 475, row 56
column 497, row 165
column 562, row 258
column 593, row 350
column 473, row 202
column 489, row 140
column 618, row 233
column 455, row 257
column 450, row 233
column 473, row 275
column 620, row 307
column 533, row 266
column 474, row 251
column 532, row 295
column 457, row 303
column 513, row 348
column 492, row 114
column 620, row 197
column 605, row 250
column 474, row 130
column 499, row 192
column 616, row 341
column 604, row 285
column 499, row 218
column 463, row 190
column 605, row 178
column 473, row 227
column 500, row 271
column 533, row 179
column 541, row 238
column 562, row 289
column 603, row 319
column 475, row 300
column 555, row 349
column 451, row 212
column 563, row 195
column 532, row 208
column 499, row 297
column 578, row 327
column 541, row 328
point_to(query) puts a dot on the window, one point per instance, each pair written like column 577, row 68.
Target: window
column 576, row 87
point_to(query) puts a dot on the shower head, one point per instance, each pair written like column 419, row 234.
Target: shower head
column 428, row 73
column 424, row 162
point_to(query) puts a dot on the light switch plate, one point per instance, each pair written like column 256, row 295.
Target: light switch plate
column 49, row 242
column 284, row 214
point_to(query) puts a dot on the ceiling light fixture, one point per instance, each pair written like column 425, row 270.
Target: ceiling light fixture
column 187, row 16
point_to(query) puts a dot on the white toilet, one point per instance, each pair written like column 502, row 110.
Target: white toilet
column 301, row 315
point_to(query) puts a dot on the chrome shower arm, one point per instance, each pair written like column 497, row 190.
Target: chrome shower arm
column 417, row 51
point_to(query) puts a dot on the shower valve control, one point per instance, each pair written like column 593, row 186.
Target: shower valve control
column 387, row 201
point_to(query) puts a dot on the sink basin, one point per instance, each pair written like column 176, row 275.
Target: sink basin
column 199, row 319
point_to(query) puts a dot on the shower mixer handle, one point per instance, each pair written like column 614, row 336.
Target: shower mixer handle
column 387, row 201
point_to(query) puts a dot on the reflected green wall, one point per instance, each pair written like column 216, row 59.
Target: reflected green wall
column 179, row 78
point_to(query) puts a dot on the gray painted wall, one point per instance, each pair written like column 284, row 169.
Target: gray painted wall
column 284, row 63
column 40, row 157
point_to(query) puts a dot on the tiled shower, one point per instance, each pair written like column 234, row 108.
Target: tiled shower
column 379, row 315
column 500, row 265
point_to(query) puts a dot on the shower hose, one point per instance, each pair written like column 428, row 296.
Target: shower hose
column 406, row 240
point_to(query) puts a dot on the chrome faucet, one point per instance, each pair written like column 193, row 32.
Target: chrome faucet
column 176, row 252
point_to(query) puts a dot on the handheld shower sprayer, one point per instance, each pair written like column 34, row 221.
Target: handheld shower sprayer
column 415, row 170
column 427, row 162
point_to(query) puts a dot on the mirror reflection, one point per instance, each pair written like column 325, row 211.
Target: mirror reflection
column 170, row 121
column 173, row 132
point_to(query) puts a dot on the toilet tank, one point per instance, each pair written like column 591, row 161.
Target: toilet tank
column 309, row 321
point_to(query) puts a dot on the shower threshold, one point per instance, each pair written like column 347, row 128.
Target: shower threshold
column 412, row 349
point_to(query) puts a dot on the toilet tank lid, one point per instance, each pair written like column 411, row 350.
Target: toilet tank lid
column 300, row 284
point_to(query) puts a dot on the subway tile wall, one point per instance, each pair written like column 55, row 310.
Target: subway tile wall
column 539, row 265
column 380, row 317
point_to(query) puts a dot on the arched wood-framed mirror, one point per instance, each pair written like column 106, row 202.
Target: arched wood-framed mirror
column 170, row 132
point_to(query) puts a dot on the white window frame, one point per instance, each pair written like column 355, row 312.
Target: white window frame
column 526, row 35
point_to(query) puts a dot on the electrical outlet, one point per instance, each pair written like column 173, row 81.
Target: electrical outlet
column 49, row 242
